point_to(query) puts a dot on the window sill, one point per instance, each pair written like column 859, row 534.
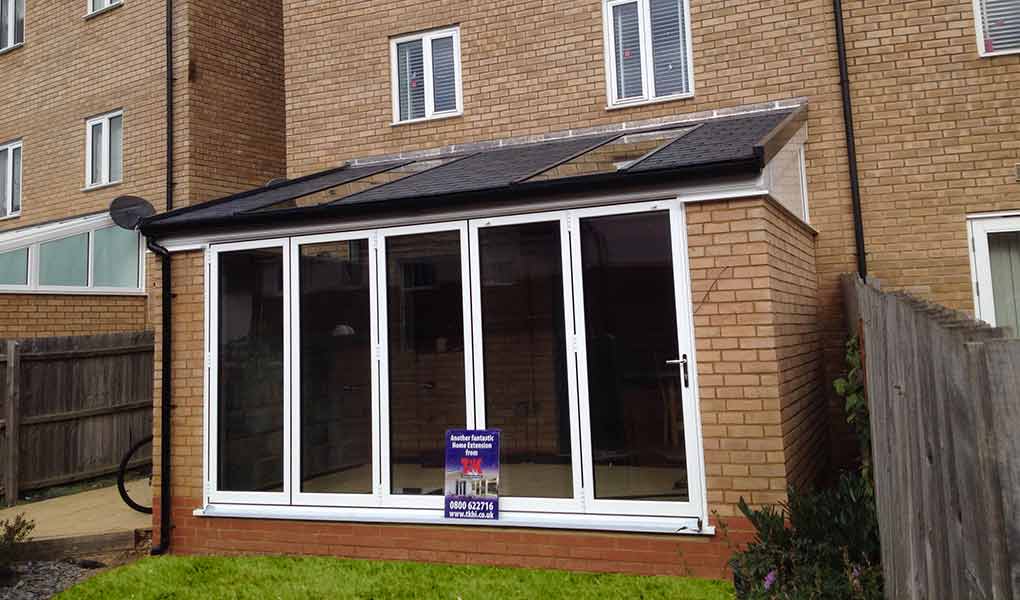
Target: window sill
column 986, row 54
column 670, row 525
column 622, row 105
column 438, row 117
column 70, row 291
column 11, row 216
column 102, row 11
column 101, row 186
column 12, row 48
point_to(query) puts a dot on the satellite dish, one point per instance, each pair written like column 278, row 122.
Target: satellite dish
column 128, row 211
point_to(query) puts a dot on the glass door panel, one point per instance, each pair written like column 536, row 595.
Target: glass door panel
column 427, row 379
column 639, row 450
column 522, row 338
column 336, row 367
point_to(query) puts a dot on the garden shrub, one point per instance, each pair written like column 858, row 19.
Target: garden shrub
column 12, row 532
column 817, row 546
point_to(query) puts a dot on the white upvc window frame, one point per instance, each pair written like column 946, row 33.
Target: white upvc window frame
column 106, row 5
column 9, row 43
column 214, row 494
column 103, row 120
column 583, row 511
column 8, row 192
column 979, row 227
column 648, row 95
column 426, row 39
column 979, row 30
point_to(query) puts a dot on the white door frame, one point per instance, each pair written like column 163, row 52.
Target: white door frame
column 399, row 500
column 329, row 499
column 214, row 493
column 979, row 228
column 696, row 506
column 576, row 503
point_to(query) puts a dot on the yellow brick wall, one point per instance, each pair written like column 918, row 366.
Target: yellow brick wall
column 43, row 315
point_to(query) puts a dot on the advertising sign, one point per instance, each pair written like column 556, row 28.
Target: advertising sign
column 472, row 474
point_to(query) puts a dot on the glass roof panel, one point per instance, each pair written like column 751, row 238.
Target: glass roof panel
column 617, row 155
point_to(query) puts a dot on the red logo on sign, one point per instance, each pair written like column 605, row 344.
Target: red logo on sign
column 471, row 465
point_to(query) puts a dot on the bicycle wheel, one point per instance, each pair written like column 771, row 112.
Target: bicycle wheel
column 125, row 468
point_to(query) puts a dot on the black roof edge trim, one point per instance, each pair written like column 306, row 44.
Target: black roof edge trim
column 770, row 145
column 573, row 184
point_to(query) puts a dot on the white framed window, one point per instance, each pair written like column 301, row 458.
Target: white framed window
column 97, row 6
column 995, row 267
column 89, row 255
column 425, row 73
column 997, row 23
column 12, row 24
column 338, row 361
column 647, row 50
column 10, row 179
column 104, row 149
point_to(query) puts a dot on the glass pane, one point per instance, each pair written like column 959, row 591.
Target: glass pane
column 250, row 387
column 14, row 267
column 630, row 320
column 98, row 5
column 1004, row 254
column 336, row 368
column 411, row 80
column 668, row 47
column 524, row 349
column 5, row 157
column 5, row 25
column 425, row 321
column 627, row 47
column 444, row 76
column 65, row 262
column 16, row 184
column 617, row 155
column 116, row 148
column 97, row 155
column 19, row 21
column 115, row 252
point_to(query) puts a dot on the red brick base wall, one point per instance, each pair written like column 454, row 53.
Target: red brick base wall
column 643, row 554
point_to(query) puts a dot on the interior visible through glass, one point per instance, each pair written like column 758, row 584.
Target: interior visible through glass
column 425, row 322
column 613, row 156
column 634, row 395
column 250, row 386
column 336, row 368
column 1004, row 255
column 524, row 350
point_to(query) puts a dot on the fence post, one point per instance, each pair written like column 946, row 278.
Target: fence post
column 13, row 423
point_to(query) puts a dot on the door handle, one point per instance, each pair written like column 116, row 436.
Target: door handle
column 683, row 363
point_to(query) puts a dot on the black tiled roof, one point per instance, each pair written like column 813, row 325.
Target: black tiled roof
column 743, row 143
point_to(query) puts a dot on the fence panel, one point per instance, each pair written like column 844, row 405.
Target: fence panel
column 944, row 392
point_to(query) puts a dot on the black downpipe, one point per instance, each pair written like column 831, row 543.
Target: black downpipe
column 851, row 143
column 167, row 321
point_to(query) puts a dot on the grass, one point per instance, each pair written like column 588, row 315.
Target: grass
column 286, row 578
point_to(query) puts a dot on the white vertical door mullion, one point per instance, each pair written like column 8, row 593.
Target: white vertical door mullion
column 467, row 283
column 213, row 358
column 427, row 84
column 287, row 376
column 208, row 378
column 294, row 349
column 382, row 353
column 694, row 450
column 581, row 346
column 476, row 331
column 374, row 318
column 647, row 60
column 570, row 328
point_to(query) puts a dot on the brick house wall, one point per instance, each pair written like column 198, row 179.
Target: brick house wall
column 754, row 318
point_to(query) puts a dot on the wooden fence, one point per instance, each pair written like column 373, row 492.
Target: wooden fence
column 944, row 392
column 72, row 407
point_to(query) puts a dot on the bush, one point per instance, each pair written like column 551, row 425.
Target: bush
column 12, row 532
column 815, row 546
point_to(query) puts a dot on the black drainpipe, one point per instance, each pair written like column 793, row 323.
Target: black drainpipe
column 851, row 144
column 165, row 401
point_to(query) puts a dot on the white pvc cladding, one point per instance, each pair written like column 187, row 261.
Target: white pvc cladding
column 84, row 255
column 783, row 179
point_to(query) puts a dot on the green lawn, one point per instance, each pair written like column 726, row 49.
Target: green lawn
column 286, row 578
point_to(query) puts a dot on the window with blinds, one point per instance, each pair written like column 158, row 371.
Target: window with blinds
column 647, row 50
column 426, row 75
column 998, row 26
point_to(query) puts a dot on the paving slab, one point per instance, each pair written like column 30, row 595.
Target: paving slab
column 90, row 513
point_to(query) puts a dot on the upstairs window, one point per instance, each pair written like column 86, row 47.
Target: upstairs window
column 104, row 150
column 12, row 23
column 648, row 50
column 426, row 75
column 10, row 179
column 101, row 5
column 998, row 26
